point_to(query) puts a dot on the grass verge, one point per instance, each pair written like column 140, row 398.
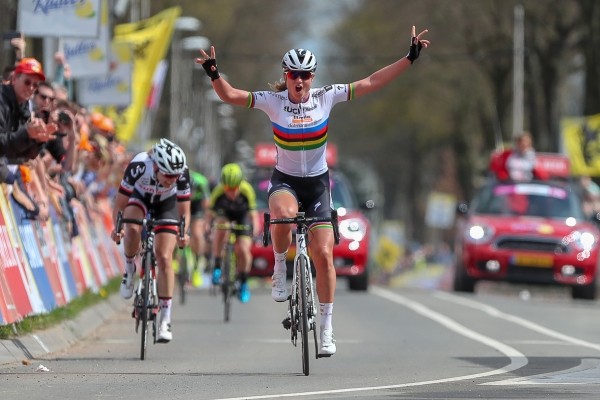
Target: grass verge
column 69, row 311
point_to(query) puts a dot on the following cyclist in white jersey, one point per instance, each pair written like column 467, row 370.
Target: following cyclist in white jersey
column 299, row 117
column 155, row 181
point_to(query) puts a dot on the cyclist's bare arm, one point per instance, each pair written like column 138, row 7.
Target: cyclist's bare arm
column 119, row 205
column 385, row 75
column 183, row 208
column 255, row 226
column 224, row 90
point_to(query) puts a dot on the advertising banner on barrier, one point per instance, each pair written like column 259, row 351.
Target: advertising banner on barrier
column 15, row 267
column 104, row 243
column 8, row 308
column 9, row 263
column 50, row 260
column 90, row 255
column 33, row 255
column 59, row 233
column 82, row 262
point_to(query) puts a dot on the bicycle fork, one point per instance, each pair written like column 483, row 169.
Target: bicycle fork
column 310, row 306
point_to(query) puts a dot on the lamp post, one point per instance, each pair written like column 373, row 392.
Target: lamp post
column 182, row 24
column 193, row 106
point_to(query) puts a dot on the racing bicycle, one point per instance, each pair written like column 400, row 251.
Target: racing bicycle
column 145, row 301
column 302, row 310
column 229, row 267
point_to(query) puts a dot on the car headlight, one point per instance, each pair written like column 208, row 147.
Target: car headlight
column 583, row 240
column 353, row 229
column 479, row 233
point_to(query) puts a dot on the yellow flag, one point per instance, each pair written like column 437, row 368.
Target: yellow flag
column 581, row 137
column 150, row 40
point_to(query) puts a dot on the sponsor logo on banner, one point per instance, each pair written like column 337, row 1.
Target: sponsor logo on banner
column 42, row 18
column 90, row 56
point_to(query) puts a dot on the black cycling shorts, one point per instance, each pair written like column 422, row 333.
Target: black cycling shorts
column 312, row 193
column 166, row 209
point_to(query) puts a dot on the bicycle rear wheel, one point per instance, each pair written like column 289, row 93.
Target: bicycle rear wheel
column 303, row 303
column 145, row 308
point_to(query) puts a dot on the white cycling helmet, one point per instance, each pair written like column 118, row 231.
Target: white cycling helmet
column 169, row 157
column 299, row 60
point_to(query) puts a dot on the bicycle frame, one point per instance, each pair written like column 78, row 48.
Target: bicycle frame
column 145, row 303
column 229, row 267
column 302, row 310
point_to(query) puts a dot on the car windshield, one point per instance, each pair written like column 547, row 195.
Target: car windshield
column 530, row 199
column 341, row 192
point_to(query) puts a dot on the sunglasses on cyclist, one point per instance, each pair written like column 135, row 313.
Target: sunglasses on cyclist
column 171, row 176
column 304, row 75
column 230, row 188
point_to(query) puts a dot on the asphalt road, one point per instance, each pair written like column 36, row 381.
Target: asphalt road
column 400, row 343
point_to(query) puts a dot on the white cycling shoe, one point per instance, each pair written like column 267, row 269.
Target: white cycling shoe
column 126, row 289
column 279, row 287
column 164, row 333
column 328, row 347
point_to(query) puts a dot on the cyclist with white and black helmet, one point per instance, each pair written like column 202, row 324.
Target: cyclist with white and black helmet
column 299, row 117
column 158, row 181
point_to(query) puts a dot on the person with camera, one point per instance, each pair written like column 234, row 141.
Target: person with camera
column 22, row 133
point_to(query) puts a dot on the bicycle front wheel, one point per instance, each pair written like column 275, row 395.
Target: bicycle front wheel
column 303, row 265
column 228, row 282
column 145, row 308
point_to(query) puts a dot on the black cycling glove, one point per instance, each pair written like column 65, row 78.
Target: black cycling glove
column 210, row 66
column 415, row 49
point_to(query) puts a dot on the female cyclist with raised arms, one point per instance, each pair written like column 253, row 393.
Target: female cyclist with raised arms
column 299, row 116
column 157, row 180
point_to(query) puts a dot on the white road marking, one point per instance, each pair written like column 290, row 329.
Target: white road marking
column 494, row 312
column 517, row 359
column 585, row 373
column 42, row 345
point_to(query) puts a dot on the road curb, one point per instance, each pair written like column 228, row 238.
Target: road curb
column 58, row 338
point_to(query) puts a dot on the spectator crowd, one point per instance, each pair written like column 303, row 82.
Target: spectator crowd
column 53, row 151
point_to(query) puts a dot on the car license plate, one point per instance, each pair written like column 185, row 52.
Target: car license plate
column 524, row 260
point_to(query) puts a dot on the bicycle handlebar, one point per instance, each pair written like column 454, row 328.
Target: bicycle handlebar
column 150, row 223
column 300, row 219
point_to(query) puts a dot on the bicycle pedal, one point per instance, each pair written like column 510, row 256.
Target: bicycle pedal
column 287, row 323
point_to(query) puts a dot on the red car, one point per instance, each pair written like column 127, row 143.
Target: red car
column 350, row 256
column 527, row 232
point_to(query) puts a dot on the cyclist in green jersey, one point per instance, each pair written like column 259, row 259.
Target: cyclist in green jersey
column 233, row 200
